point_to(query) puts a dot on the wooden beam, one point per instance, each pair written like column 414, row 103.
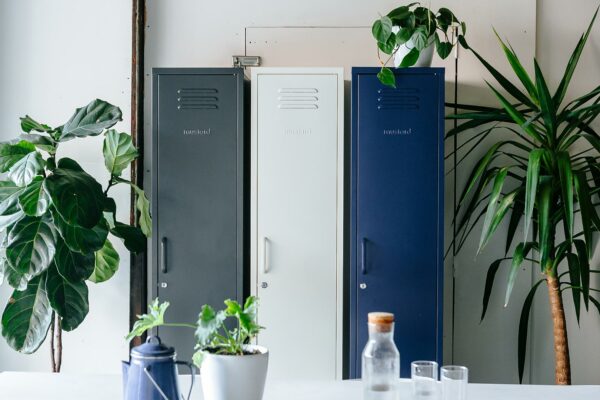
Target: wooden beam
column 138, row 290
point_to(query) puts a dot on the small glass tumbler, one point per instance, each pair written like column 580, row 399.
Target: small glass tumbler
column 424, row 375
column 454, row 382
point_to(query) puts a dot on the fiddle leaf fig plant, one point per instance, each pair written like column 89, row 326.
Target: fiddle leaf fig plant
column 55, row 221
column 417, row 28
column 212, row 335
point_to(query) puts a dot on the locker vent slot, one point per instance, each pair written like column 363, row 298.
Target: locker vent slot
column 298, row 99
column 197, row 99
column 398, row 99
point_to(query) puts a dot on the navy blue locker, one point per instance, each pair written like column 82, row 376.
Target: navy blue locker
column 396, row 245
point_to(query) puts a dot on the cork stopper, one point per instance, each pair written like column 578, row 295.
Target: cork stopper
column 381, row 321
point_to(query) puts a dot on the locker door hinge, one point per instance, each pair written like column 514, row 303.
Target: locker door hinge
column 245, row 61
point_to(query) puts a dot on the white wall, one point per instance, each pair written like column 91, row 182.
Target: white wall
column 45, row 74
column 56, row 56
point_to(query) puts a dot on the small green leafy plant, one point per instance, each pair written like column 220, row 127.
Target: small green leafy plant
column 54, row 224
column 419, row 25
column 212, row 336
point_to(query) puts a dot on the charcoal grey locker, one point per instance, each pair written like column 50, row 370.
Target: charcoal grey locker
column 198, row 247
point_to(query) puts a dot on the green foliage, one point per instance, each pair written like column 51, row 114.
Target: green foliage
column 538, row 176
column 155, row 317
column 53, row 223
column 419, row 25
column 212, row 335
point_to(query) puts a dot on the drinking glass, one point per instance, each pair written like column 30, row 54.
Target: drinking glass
column 454, row 382
column 424, row 375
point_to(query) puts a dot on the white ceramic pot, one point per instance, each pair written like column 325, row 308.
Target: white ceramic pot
column 235, row 377
column 425, row 57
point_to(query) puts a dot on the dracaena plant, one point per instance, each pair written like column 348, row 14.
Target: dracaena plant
column 418, row 26
column 543, row 176
column 211, row 333
column 55, row 221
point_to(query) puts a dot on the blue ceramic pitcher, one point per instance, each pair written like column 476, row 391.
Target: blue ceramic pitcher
column 151, row 372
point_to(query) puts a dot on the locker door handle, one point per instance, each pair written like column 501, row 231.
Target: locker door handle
column 163, row 255
column 265, row 255
column 364, row 256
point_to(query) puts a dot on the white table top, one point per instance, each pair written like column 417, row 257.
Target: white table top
column 47, row 386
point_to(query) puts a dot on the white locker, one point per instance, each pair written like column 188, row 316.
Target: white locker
column 297, row 218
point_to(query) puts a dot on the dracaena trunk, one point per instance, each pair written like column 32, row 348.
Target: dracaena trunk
column 561, row 342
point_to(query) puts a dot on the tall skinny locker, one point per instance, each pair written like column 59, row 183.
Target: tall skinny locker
column 396, row 245
column 198, row 251
column 296, row 218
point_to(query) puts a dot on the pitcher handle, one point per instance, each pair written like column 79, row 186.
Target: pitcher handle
column 192, row 368
column 149, row 375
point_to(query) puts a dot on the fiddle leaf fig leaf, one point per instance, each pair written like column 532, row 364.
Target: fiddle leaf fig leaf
column 77, row 196
column 10, row 153
column 72, row 266
column 68, row 299
column 209, row 323
column 132, row 236
column 28, row 124
column 118, row 151
column 79, row 239
column 42, row 142
column 143, row 206
column 90, row 120
column 106, row 263
column 27, row 316
column 31, row 245
column 10, row 212
column 34, row 199
column 154, row 318
column 23, row 171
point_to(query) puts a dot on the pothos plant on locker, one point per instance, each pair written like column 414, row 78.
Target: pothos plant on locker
column 55, row 219
column 413, row 28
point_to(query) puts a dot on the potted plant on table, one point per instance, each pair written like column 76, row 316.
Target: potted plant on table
column 230, row 367
column 54, row 224
column 547, row 175
column 407, row 35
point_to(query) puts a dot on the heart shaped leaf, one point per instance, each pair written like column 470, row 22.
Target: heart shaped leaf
column 118, row 151
column 72, row 266
column 27, row 316
column 77, row 196
column 90, row 120
column 68, row 299
column 33, row 199
column 106, row 263
column 23, row 171
column 31, row 245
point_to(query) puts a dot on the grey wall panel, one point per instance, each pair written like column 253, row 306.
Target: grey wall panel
column 198, row 247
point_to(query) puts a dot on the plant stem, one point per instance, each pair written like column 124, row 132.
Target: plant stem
column 52, row 359
column 58, row 332
column 176, row 324
column 561, row 342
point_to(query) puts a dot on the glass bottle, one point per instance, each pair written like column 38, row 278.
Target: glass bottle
column 380, row 359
